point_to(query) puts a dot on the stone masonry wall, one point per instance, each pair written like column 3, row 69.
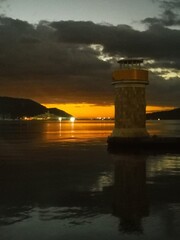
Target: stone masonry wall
column 130, row 107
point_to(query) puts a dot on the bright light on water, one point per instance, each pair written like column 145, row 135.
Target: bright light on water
column 72, row 119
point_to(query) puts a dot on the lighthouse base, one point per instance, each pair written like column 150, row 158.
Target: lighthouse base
column 130, row 132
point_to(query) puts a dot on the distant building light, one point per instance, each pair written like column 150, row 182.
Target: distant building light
column 72, row 119
column 60, row 119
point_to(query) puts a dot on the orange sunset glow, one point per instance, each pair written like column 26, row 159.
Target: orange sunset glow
column 94, row 111
column 85, row 110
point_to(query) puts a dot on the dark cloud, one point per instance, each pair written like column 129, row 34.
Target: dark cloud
column 157, row 42
column 170, row 15
column 163, row 92
column 54, row 62
column 167, row 18
column 170, row 4
column 29, row 50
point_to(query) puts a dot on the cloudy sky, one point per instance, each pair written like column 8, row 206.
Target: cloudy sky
column 62, row 52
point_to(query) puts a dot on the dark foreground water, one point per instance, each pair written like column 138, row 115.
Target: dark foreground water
column 58, row 182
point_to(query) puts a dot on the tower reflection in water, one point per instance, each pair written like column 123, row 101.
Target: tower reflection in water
column 130, row 199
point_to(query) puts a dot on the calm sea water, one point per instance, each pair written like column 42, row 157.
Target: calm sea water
column 58, row 181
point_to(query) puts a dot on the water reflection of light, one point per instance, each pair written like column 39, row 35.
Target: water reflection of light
column 95, row 129
column 72, row 129
column 60, row 129
column 104, row 180
column 163, row 127
column 163, row 165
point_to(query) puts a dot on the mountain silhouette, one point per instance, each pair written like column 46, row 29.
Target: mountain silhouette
column 16, row 108
column 164, row 115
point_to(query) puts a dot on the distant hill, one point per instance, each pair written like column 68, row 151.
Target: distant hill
column 59, row 112
column 164, row 115
column 16, row 108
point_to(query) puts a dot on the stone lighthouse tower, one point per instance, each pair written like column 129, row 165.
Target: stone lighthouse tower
column 130, row 101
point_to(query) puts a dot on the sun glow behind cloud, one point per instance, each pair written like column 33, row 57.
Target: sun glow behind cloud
column 102, row 56
column 166, row 73
column 85, row 110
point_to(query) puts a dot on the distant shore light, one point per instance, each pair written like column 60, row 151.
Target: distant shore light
column 72, row 119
